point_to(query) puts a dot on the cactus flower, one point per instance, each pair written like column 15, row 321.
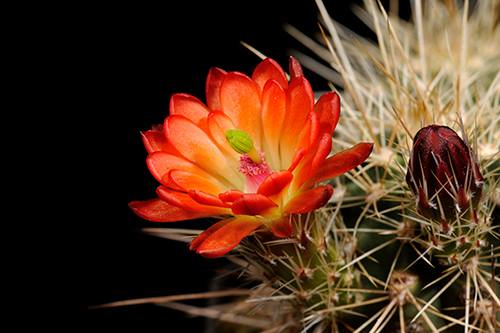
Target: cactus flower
column 443, row 174
column 251, row 156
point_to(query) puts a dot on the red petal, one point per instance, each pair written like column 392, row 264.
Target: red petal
column 240, row 100
column 299, row 102
column 309, row 200
column 314, row 160
column 328, row 110
column 295, row 69
column 157, row 210
column 204, row 235
column 212, row 87
column 273, row 115
column 340, row 163
column 282, row 227
column 207, row 199
column 252, row 204
column 188, row 181
column 309, row 132
column 189, row 107
column 275, row 183
column 184, row 201
column 299, row 155
column 227, row 237
column 266, row 70
column 230, row 195
column 156, row 141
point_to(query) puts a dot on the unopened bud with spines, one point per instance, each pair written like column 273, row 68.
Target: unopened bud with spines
column 443, row 174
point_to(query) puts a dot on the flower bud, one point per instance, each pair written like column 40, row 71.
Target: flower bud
column 443, row 174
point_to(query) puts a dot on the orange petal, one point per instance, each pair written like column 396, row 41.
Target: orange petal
column 299, row 102
column 197, row 147
column 186, row 181
column 309, row 132
column 340, row 163
column 319, row 153
column 207, row 199
column 184, row 201
column 241, row 102
column 295, row 69
column 160, row 163
column 282, row 227
column 328, row 110
column 297, row 158
column 157, row 210
column 275, row 183
column 225, row 238
column 212, row 87
column 252, row 204
column 269, row 69
column 189, row 107
column 218, row 124
column 230, row 195
column 273, row 114
column 204, row 235
column 156, row 141
column 309, row 200
column 313, row 160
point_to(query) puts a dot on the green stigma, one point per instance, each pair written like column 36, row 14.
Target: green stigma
column 239, row 140
column 242, row 143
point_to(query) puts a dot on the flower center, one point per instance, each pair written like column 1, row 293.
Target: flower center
column 252, row 163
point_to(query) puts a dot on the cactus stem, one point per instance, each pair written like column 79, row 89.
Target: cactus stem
column 366, row 254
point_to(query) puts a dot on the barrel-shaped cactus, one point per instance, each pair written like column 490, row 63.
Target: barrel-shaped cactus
column 405, row 237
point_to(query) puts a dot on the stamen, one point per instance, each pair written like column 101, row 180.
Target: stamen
column 254, row 173
column 252, row 163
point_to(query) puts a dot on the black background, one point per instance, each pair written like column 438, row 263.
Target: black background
column 134, row 58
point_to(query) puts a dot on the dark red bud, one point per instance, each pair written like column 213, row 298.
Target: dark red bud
column 443, row 174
